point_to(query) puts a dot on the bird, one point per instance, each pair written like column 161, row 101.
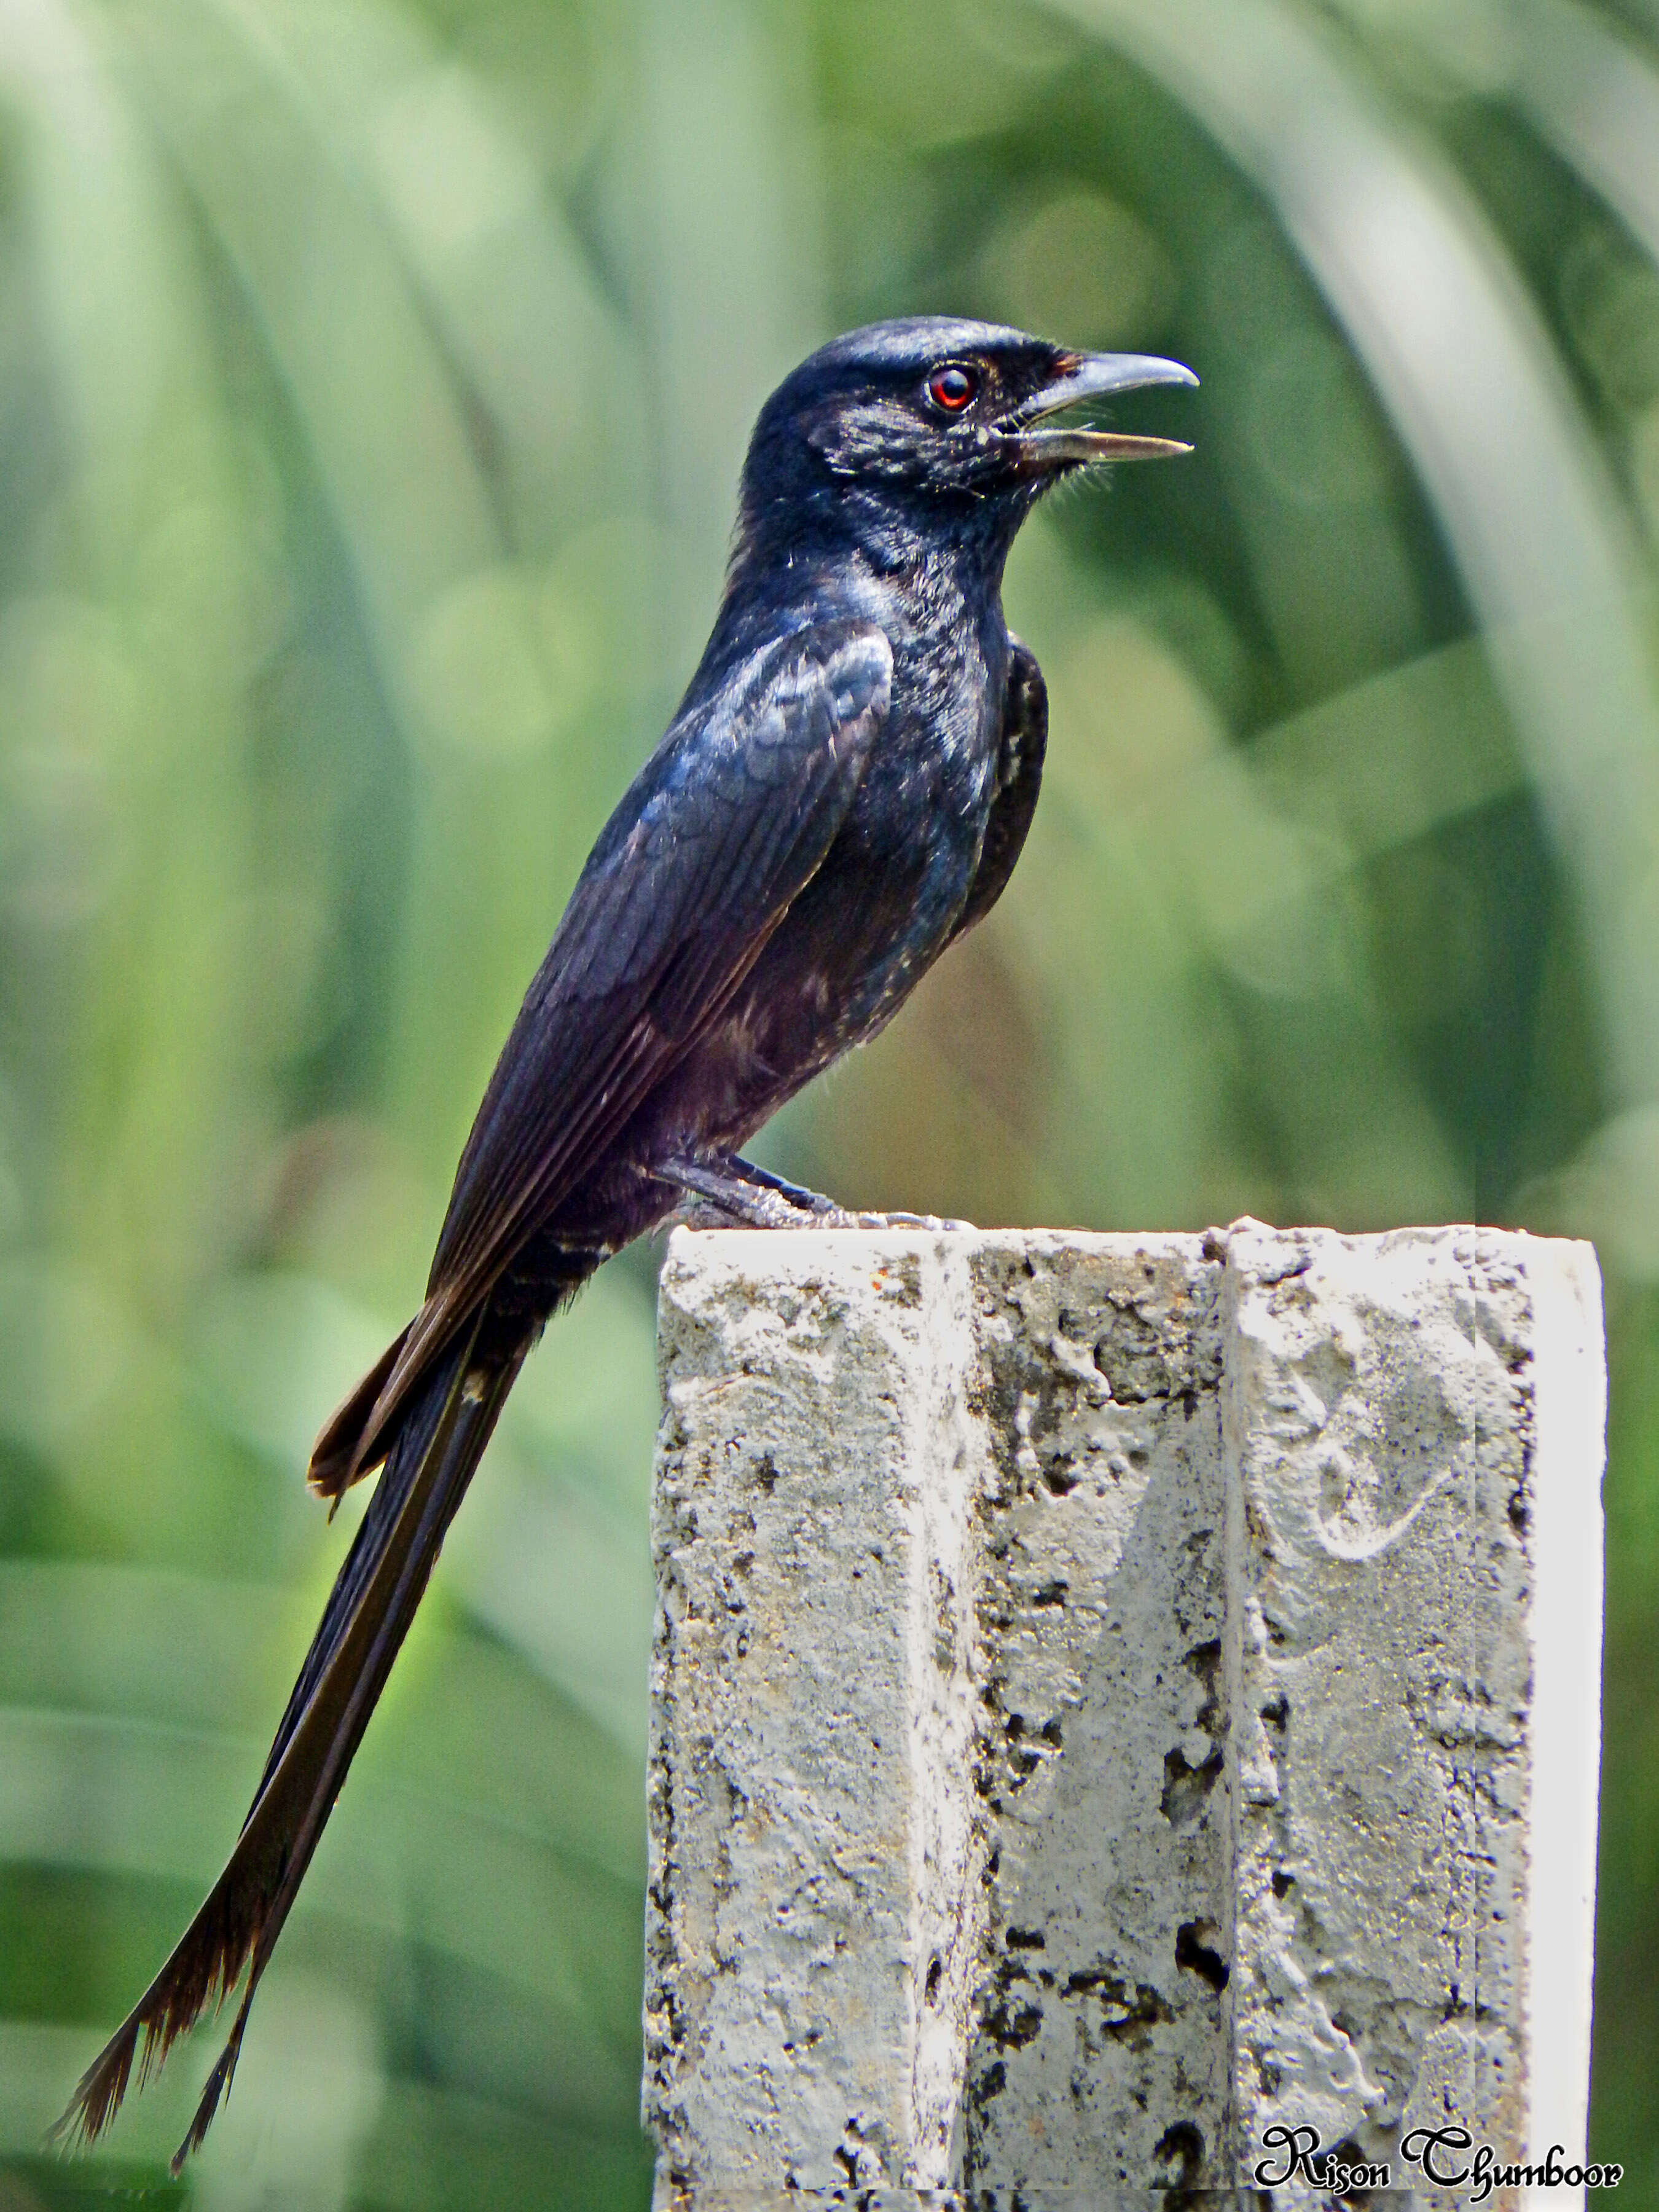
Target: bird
column 843, row 791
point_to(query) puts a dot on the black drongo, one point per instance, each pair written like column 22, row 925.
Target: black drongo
column 844, row 789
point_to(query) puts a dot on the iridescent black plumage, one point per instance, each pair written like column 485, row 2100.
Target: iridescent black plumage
column 844, row 788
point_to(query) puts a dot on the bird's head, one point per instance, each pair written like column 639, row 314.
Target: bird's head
column 936, row 411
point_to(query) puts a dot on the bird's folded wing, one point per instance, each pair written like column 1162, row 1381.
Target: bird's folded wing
column 722, row 830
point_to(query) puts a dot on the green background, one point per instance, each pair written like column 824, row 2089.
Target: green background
column 373, row 380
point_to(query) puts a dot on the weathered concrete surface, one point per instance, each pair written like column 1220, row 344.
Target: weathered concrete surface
column 1380, row 1412
column 1098, row 1686
column 812, row 1953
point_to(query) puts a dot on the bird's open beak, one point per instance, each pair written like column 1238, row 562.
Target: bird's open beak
column 1092, row 376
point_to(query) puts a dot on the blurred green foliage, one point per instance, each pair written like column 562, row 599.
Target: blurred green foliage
column 373, row 379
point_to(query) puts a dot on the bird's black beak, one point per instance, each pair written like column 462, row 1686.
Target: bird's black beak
column 1093, row 376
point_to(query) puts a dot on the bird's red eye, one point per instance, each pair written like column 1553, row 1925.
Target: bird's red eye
column 952, row 388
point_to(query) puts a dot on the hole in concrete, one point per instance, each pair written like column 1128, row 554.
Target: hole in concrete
column 1204, row 1660
column 1281, row 1882
column 1131, row 2019
column 1027, row 1939
column 1195, row 1942
column 1179, row 2157
column 1347, row 2152
column 935, row 1976
column 1014, row 2030
column 1186, row 1787
column 991, row 2083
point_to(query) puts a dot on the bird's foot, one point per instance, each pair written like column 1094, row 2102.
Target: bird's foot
column 723, row 1192
column 731, row 1190
column 932, row 1222
column 761, row 1212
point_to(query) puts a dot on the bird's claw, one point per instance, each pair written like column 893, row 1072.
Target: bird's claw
column 705, row 1213
column 933, row 1222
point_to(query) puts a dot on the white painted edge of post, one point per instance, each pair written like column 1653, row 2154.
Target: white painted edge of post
column 1569, row 1402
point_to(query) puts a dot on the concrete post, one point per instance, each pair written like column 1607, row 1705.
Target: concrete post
column 1117, row 1700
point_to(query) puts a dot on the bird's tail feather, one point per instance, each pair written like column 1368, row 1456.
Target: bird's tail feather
column 368, row 1612
column 334, row 1462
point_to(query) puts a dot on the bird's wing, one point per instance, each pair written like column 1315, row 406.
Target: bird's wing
column 722, row 830
column 1019, row 778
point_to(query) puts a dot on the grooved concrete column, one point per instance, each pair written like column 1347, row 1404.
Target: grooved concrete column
column 1113, row 1696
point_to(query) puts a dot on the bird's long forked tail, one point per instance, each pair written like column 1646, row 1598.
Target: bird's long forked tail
column 368, row 1612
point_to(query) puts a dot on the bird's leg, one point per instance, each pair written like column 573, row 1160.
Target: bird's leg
column 759, row 1199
